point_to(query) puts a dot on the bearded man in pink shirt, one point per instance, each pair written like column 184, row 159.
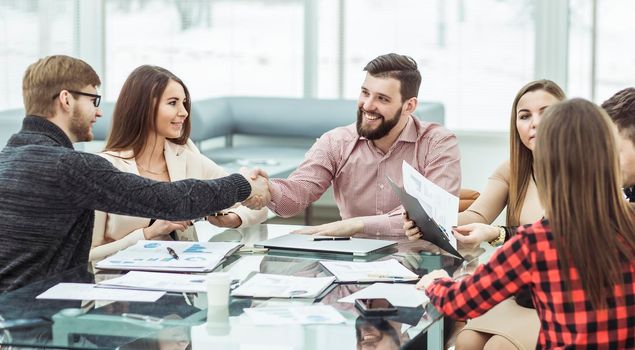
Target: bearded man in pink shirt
column 356, row 159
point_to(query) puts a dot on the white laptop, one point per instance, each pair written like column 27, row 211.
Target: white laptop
column 354, row 246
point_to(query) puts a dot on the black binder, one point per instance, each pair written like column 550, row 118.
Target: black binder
column 430, row 230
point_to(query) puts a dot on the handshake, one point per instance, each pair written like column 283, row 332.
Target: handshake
column 259, row 181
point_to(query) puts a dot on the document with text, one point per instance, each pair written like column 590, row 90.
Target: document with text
column 312, row 314
column 86, row 291
column 375, row 271
column 265, row 285
column 398, row 294
column 169, row 282
column 170, row 256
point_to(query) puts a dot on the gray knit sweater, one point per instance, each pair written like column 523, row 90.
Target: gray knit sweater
column 48, row 192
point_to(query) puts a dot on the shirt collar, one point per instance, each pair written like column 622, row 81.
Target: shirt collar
column 42, row 125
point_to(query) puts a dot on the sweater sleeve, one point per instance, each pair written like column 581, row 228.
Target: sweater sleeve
column 91, row 182
column 504, row 274
column 212, row 170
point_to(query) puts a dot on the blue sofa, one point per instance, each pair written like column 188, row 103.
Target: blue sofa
column 268, row 132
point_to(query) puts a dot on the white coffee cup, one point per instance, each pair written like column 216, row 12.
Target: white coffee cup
column 217, row 288
column 217, row 320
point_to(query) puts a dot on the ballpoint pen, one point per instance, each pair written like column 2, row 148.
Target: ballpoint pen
column 140, row 317
column 173, row 253
column 331, row 238
column 377, row 275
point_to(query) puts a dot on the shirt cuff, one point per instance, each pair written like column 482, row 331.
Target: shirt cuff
column 383, row 225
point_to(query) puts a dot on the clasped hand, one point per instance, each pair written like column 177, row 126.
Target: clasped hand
column 259, row 181
column 468, row 236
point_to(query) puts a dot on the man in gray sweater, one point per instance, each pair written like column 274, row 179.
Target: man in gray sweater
column 49, row 191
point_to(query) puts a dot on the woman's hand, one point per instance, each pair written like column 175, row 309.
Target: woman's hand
column 163, row 228
column 427, row 280
column 230, row 220
column 412, row 231
column 471, row 235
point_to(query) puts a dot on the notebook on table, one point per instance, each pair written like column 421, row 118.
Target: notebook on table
column 353, row 246
column 170, row 256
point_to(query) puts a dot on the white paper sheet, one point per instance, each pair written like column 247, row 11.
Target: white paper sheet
column 440, row 205
column 169, row 282
column 312, row 314
column 241, row 268
column 86, row 291
column 387, row 270
column 205, row 231
column 265, row 285
column 398, row 294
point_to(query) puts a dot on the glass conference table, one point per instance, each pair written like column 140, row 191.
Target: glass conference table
column 183, row 321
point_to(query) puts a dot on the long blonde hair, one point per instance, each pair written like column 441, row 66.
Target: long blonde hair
column 521, row 159
column 579, row 185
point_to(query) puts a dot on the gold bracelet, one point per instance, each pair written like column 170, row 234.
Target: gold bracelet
column 500, row 239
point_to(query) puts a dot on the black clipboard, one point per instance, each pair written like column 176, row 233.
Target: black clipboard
column 430, row 230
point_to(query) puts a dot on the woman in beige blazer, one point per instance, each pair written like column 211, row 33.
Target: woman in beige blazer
column 150, row 137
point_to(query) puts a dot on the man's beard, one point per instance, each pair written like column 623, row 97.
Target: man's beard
column 382, row 130
column 80, row 126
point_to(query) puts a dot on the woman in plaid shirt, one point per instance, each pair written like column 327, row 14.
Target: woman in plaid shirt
column 579, row 261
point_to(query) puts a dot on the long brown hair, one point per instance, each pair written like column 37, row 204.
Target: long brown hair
column 521, row 159
column 579, row 181
column 135, row 111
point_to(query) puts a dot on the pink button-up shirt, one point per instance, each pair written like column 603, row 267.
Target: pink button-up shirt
column 357, row 170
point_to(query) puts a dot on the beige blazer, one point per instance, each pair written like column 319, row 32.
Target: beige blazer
column 114, row 232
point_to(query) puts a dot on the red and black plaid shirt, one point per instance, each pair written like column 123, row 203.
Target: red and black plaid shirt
column 530, row 259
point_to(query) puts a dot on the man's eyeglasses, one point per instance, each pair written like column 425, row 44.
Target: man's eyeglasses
column 96, row 101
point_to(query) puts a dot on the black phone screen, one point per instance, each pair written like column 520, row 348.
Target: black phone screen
column 378, row 306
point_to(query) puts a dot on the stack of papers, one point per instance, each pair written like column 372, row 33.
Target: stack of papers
column 85, row 291
column 155, row 256
column 405, row 295
column 169, row 282
column 312, row 314
column 388, row 270
column 264, row 285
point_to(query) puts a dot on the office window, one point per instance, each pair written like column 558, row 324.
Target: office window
column 218, row 48
column 30, row 29
column 473, row 55
column 614, row 52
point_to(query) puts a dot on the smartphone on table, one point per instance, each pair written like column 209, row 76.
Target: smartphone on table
column 375, row 307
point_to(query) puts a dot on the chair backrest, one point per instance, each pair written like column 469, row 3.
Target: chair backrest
column 10, row 123
column 288, row 117
column 268, row 116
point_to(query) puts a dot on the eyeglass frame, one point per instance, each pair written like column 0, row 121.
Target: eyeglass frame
column 96, row 101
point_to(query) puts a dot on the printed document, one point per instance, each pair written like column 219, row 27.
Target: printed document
column 170, row 256
column 375, row 271
column 86, row 291
column 312, row 314
column 440, row 205
column 169, row 282
column 265, row 285
column 398, row 294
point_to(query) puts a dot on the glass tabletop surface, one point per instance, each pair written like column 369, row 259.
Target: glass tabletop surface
column 184, row 320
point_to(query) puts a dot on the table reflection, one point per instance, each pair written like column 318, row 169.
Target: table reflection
column 379, row 333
